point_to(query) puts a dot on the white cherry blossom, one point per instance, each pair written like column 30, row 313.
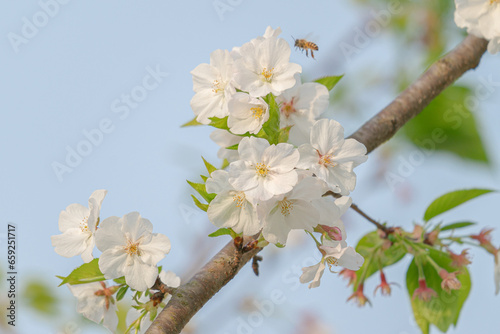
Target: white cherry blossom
column 130, row 249
column 264, row 67
column 231, row 208
column 482, row 19
column 225, row 139
column 78, row 225
column 95, row 302
column 299, row 108
column 214, row 86
column 335, row 253
column 246, row 114
column 330, row 157
column 264, row 170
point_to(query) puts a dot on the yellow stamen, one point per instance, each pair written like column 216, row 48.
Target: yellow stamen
column 239, row 198
column 217, row 86
column 132, row 248
column 267, row 74
column 84, row 225
column 326, row 160
column 261, row 169
column 332, row 261
column 492, row 2
column 257, row 112
column 286, row 207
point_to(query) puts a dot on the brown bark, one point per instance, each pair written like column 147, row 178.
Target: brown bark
column 191, row 296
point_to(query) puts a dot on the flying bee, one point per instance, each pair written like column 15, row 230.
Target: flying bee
column 304, row 44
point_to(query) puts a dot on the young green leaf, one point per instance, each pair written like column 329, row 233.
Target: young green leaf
column 444, row 310
column 329, row 82
column 382, row 258
column 192, row 122
column 272, row 126
column 121, row 292
column 200, row 205
column 219, row 123
column 451, row 200
column 223, row 231
column 86, row 273
column 455, row 226
column 200, row 188
column 210, row 168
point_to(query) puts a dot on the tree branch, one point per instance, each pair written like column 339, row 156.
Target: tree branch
column 191, row 296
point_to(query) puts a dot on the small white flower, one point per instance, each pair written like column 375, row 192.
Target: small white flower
column 264, row 170
column 481, row 18
column 299, row 108
column 269, row 33
column 246, row 114
column 294, row 210
column 225, row 139
column 331, row 157
column 95, row 302
column 335, row 253
column 231, row 208
column 168, row 278
column 78, row 224
column 213, row 85
column 130, row 249
column 264, row 67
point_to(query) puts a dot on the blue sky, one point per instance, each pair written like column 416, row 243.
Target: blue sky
column 72, row 75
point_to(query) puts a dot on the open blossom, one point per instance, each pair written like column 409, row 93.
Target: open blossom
column 264, row 67
column 481, row 18
column 214, row 86
column 225, row 139
column 231, row 208
column 78, row 225
column 264, row 170
column 148, row 306
column 130, row 249
column 335, row 253
column 247, row 114
column 293, row 210
column 95, row 302
column 331, row 157
column 299, row 108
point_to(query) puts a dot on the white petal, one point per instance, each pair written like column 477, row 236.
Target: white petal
column 140, row 276
column 155, row 250
column 72, row 242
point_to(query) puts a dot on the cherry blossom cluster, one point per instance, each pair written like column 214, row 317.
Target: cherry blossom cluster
column 281, row 157
column 130, row 253
column 482, row 19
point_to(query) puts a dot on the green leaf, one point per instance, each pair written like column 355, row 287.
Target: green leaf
column 455, row 226
column 201, row 189
column 204, row 178
column 446, row 124
column 121, row 292
column 219, row 123
column 330, row 81
column 451, row 200
column 382, row 258
column 120, row 280
column 233, row 147
column 86, row 273
column 200, row 205
column 223, row 231
column 444, row 310
column 210, row 168
column 225, row 163
column 192, row 122
column 272, row 126
column 283, row 134
column 40, row 296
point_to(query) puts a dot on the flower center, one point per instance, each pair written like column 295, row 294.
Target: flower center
column 326, row 160
column 261, row 169
column 257, row 112
column 217, row 86
column 286, row 207
column 332, row 261
column 132, row 248
column 267, row 74
column 239, row 198
column 84, row 226
column 287, row 108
